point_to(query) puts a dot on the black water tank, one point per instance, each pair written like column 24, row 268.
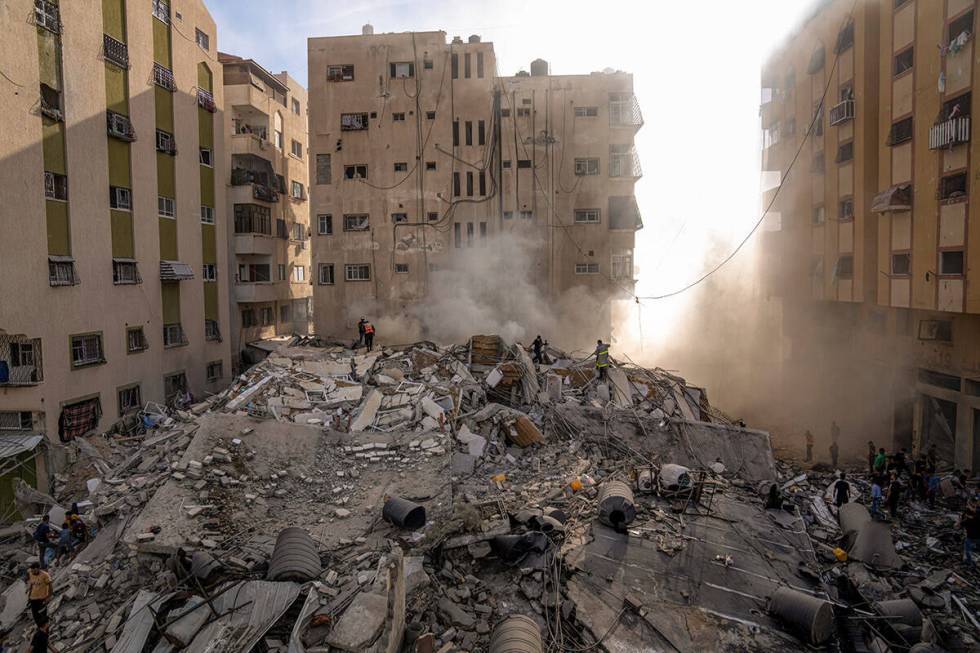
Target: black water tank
column 539, row 68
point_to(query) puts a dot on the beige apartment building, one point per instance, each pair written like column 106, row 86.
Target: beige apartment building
column 422, row 154
column 874, row 263
column 112, row 290
column 265, row 124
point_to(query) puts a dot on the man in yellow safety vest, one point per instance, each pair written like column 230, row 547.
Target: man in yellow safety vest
column 601, row 359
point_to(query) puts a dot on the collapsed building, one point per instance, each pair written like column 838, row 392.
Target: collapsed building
column 464, row 498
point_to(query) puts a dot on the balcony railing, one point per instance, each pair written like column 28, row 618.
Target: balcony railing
column 46, row 16
column 264, row 193
column 164, row 77
column 206, row 101
column 115, row 51
column 842, row 112
column 20, row 361
column 120, row 126
column 625, row 164
column 625, row 111
column 949, row 133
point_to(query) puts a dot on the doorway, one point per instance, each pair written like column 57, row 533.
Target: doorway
column 939, row 428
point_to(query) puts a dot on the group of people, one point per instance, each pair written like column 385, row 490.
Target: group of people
column 52, row 546
column 365, row 334
column 834, row 448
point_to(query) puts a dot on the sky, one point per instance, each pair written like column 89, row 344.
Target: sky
column 696, row 70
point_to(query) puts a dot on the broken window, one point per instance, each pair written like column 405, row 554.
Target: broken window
column 622, row 266
column 900, row 131
column 845, row 38
column 818, row 163
column 248, row 318
column 55, row 186
column 903, row 61
column 483, row 234
column 457, row 235
column 816, row 61
column 845, row 267
column 399, row 218
column 960, row 26
column 469, row 234
column 86, row 349
column 398, row 116
column 174, row 384
column 340, row 73
column 901, row 263
column 120, row 126
column 356, row 171
column 356, row 222
column 845, row 209
column 353, row 121
column 324, row 224
column 958, row 107
column 357, row 272
column 322, row 168
column 951, row 262
column 430, row 165
column 586, row 268
column 939, row 330
column 584, row 167
column 161, row 10
column 586, row 216
column 215, row 370
column 46, row 16
column 524, row 163
column 51, row 102
column 129, row 399
column 818, row 120
column 432, row 216
column 953, row 187
column 16, row 420
column 253, row 219
column 430, row 115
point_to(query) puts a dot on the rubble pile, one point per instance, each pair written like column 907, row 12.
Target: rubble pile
column 429, row 498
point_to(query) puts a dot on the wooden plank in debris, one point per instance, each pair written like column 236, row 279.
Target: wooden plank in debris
column 524, row 433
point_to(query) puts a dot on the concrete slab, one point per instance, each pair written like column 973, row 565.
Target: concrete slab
column 361, row 623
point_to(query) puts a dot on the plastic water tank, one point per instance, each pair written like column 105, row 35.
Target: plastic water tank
column 516, row 634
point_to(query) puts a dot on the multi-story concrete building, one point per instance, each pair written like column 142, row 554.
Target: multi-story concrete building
column 873, row 259
column 268, row 218
column 421, row 151
column 111, row 225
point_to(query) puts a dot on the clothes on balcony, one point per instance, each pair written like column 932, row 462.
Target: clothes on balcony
column 78, row 419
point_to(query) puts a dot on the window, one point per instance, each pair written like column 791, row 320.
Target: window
column 524, row 163
column 322, row 168
column 135, row 340
column 120, row 126
column 963, row 24
column 173, row 335
column 214, row 371
column 819, row 215
column 165, row 142
column 587, row 216
column 51, row 103
column 584, row 167
column 398, row 117
column 164, row 77
column 210, row 272
column 295, row 105
column 622, row 266
column 479, row 65
column 469, row 184
column 357, row 272
column 278, row 138
column 900, row 131
column 324, row 224
column 299, row 274
column 173, row 385
column 46, row 16
column 61, row 271
column 399, row 218
column 86, row 350
column 818, row 120
column 296, row 148
column 456, row 188
column 430, row 165
column 296, row 190
column 455, row 133
column 432, row 216
column 469, row 234
column 466, row 65
column 115, row 51
column 353, row 121
column 586, row 112
column 506, row 164
column 845, row 152
column 207, row 157
column 454, row 62
column 125, row 272
column 845, row 267
column 508, row 215
column 469, row 132
column 402, row 69
column 430, row 115
column 356, row 222
column 951, row 262
column 483, row 234
column 203, row 40
column 401, row 167
column 953, row 187
column 901, row 264
column 325, row 275
column 523, row 112
column 505, row 113
column 253, row 219
column 129, row 399
column 481, row 133
column 586, row 268
column 903, row 61
column 958, row 107
column 401, row 268
column 818, row 163
column 120, row 198
column 161, row 10
column 207, row 214
column 483, row 183
column 55, row 186
column 248, row 318
column 254, row 273
column 457, row 235
column 356, row 171
column 845, row 209
column 341, row 73
column 211, row 330
column 281, row 271
column 427, row 64
column 16, row 420
column 527, row 215
column 284, row 313
column 165, row 206
column 845, row 38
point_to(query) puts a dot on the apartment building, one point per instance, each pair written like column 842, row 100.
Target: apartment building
column 265, row 124
column 421, row 152
column 874, row 254
column 110, row 225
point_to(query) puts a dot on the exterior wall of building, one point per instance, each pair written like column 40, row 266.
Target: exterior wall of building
column 266, row 118
column 85, row 227
column 457, row 158
column 917, row 324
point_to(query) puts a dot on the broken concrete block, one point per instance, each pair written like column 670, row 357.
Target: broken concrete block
column 361, row 624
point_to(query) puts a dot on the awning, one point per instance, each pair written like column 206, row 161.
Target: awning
column 175, row 271
column 896, row 198
column 61, row 259
column 14, row 445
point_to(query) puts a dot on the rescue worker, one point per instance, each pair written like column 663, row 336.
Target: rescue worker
column 368, row 335
column 809, row 447
column 536, row 347
column 842, row 491
column 360, row 332
column 601, row 354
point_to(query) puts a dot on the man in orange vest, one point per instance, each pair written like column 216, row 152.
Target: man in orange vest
column 368, row 335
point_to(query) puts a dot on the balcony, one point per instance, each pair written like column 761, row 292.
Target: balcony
column 949, row 133
column 120, row 126
column 624, row 162
column 247, row 100
column 164, row 77
column 115, row 51
column 20, row 361
column 206, row 101
column 251, row 144
column 252, row 243
column 260, row 291
column 842, row 112
column 624, row 111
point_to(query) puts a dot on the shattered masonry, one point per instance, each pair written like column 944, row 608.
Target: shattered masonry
column 426, row 498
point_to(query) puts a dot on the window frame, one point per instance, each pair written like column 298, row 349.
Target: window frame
column 80, row 341
column 339, row 72
column 133, row 407
column 907, row 255
column 321, row 268
column 586, row 166
column 585, row 214
column 120, row 198
column 202, row 39
column 898, row 59
column 207, row 214
column 163, row 202
column 363, row 218
column 358, row 269
column 142, row 346
column 941, row 258
column 206, row 157
column 586, row 269
column 320, row 222
column 209, row 375
column 209, row 272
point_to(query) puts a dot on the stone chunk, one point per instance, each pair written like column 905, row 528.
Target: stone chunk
column 456, row 615
column 361, row 623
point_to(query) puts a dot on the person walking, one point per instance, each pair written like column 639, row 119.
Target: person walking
column 809, row 447
column 369, row 335
column 842, row 491
column 601, row 354
column 894, row 495
column 40, row 642
column 38, row 592
column 970, row 523
column 360, row 332
column 536, row 348
column 42, row 537
column 881, row 460
column 876, row 497
column 871, row 457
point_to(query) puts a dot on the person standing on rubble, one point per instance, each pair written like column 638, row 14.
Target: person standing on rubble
column 42, row 536
column 842, row 491
column 40, row 643
column 970, row 523
column 536, row 348
column 369, row 335
column 809, row 447
column 881, row 460
column 38, row 592
column 876, row 497
column 601, row 354
column 871, row 457
column 360, row 332
column 894, row 495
